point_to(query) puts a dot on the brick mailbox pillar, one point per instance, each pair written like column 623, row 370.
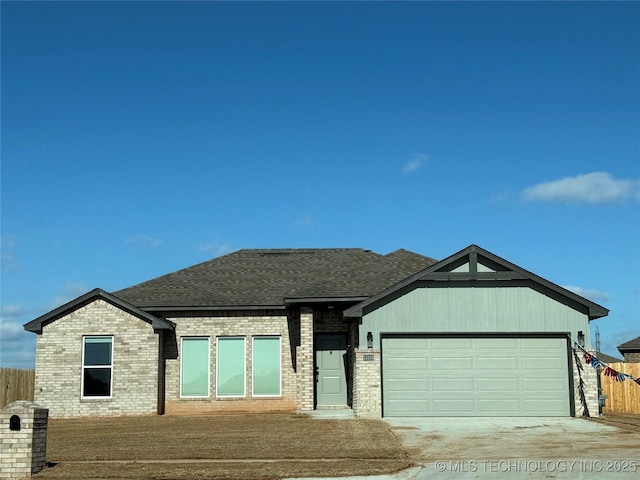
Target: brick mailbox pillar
column 23, row 439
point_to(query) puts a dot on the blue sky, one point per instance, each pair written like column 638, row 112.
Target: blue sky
column 141, row 138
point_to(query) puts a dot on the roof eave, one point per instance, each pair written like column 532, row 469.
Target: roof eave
column 594, row 310
column 36, row 325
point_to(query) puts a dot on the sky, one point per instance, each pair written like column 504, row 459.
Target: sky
column 141, row 138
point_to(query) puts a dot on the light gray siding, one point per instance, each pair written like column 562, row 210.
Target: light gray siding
column 502, row 309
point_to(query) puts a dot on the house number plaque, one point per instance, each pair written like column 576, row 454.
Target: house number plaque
column 368, row 357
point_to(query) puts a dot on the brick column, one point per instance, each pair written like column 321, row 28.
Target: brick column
column 304, row 359
column 23, row 443
column 367, row 391
column 585, row 386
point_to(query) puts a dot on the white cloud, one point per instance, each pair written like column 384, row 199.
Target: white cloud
column 414, row 163
column 593, row 295
column 8, row 256
column 70, row 291
column 217, row 248
column 17, row 346
column 304, row 221
column 593, row 188
column 145, row 240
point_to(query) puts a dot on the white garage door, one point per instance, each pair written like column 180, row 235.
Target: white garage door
column 479, row 376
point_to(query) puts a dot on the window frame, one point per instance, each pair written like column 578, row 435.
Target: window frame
column 110, row 367
column 253, row 366
column 194, row 337
column 244, row 366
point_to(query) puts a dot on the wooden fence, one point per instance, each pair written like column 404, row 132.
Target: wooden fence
column 16, row 384
column 622, row 397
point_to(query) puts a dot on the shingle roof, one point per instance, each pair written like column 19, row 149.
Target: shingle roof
column 632, row 345
column 266, row 277
column 608, row 358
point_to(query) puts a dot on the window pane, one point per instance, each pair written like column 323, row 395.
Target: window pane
column 266, row 366
column 97, row 382
column 195, row 367
column 230, row 367
column 97, row 351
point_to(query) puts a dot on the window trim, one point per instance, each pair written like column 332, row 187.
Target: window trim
column 253, row 366
column 244, row 366
column 195, row 337
column 111, row 367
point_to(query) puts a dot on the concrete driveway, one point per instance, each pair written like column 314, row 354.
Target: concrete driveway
column 517, row 448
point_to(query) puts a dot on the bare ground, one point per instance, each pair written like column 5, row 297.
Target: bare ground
column 219, row 447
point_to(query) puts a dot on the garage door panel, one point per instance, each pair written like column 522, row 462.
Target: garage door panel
column 482, row 376
column 460, row 384
column 498, row 384
column 401, row 363
column 447, row 407
column 452, row 363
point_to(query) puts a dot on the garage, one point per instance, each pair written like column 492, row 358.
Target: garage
column 464, row 375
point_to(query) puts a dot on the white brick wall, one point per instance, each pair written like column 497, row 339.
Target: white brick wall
column 59, row 363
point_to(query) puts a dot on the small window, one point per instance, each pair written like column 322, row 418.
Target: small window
column 230, row 371
column 266, row 366
column 194, row 367
column 97, row 367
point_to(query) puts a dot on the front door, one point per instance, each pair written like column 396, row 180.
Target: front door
column 331, row 369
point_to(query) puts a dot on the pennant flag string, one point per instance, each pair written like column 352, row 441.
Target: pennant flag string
column 607, row 370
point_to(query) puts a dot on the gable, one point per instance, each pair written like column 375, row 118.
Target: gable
column 474, row 266
column 90, row 297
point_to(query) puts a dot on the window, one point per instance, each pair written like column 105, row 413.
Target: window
column 266, row 366
column 194, row 367
column 97, row 367
column 230, row 367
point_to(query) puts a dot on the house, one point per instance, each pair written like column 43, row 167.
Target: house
column 302, row 329
column 630, row 350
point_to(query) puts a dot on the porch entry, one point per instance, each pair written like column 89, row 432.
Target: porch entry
column 331, row 369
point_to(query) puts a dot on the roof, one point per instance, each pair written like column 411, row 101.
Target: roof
column 37, row 324
column 632, row 345
column 477, row 264
column 271, row 278
column 607, row 358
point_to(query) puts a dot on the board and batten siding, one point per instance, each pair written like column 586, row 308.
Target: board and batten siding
column 473, row 309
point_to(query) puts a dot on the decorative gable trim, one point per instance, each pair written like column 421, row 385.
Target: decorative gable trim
column 37, row 324
column 475, row 264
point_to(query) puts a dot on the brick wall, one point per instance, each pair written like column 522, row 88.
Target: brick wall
column 367, row 391
column 245, row 324
column 23, row 452
column 59, row 363
column 585, row 398
column 304, row 359
column 632, row 357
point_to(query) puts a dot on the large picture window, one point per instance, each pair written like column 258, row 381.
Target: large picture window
column 194, row 367
column 230, row 367
column 97, row 366
column 266, row 366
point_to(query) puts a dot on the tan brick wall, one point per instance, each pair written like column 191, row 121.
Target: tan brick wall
column 304, row 356
column 589, row 378
column 632, row 357
column 367, row 390
column 23, row 452
column 59, row 363
column 212, row 326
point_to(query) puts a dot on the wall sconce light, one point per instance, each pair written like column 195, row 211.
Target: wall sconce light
column 581, row 338
column 369, row 340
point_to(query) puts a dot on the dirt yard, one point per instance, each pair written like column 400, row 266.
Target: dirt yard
column 622, row 420
column 219, row 447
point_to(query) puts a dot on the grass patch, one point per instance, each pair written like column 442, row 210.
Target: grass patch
column 219, row 447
